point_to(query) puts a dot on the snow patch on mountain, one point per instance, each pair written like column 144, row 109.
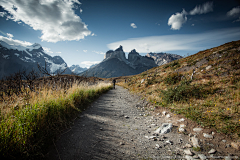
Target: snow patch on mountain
column 54, row 67
column 5, row 56
column 16, row 54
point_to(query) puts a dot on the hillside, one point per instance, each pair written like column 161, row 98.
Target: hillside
column 203, row 87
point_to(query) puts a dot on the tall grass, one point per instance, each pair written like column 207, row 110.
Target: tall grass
column 30, row 122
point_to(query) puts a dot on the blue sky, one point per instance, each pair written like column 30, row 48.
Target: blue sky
column 81, row 31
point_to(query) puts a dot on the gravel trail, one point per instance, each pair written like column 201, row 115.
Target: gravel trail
column 116, row 126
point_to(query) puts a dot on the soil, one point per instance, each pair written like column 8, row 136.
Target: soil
column 117, row 126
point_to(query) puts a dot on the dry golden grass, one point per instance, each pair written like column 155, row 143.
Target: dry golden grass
column 31, row 120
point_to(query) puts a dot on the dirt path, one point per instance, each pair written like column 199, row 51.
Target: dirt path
column 116, row 127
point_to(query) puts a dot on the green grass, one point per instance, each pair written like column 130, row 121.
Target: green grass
column 25, row 133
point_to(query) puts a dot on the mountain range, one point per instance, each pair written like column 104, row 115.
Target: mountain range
column 15, row 58
column 115, row 64
column 163, row 58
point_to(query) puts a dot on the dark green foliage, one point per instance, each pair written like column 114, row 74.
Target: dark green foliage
column 183, row 92
column 173, row 65
column 173, row 78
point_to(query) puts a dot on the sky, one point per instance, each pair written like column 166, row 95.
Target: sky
column 82, row 31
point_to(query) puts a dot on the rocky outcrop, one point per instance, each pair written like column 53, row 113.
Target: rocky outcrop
column 115, row 64
column 163, row 58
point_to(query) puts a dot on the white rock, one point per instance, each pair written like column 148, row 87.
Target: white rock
column 187, row 157
column 188, row 145
column 182, row 126
column 153, row 125
column 197, row 129
column 194, row 141
column 235, row 145
column 202, row 156
column 224, row 141
column 157, row 146
column 213, row 133
column 142, row 80
column 170, row 142
column 168, row 115
column 165, row 128
column 181, row 120
column 181, row 129
column 207, row 135
column 195, row 157
column 227, row 158
column 164, row 113
column 187, row 152
column 212, row 151
column 208, row 67
column 126, row 116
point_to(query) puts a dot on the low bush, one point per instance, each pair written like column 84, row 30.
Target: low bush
column 182, row 92
column 173, row 78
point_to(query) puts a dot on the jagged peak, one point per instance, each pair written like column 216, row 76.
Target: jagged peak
column 119, row 49
column 110, row 51
column 133, row 52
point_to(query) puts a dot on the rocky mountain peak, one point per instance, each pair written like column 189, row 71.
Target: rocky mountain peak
column 133, row 52
column 119, row 48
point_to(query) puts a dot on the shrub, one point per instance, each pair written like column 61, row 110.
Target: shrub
column 173, row 78
column 183, row 92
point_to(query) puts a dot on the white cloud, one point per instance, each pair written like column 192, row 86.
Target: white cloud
column 98, row 52
column 133, row 25
column 234, row 12
column 193, row 24
column 2, row 14
column 56, row 19
column 176, row 20
column 47, row 50
column 85, row 51
column 89, row 63
column 177, row 42
column 9, row 35
column 11, row 41
column 81, row 10
column 59, row 52
column 205, row 8
column 93, row 34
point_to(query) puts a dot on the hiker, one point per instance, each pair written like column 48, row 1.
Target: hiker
column 114, row 81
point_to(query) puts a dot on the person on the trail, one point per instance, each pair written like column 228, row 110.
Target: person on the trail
column 114, row 81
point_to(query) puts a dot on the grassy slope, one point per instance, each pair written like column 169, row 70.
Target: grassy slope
column 28, row 128
column 211, row 98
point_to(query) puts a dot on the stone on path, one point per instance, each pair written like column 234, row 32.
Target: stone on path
column 207, row 135
column 187, row 152
column 168, row 115
column 189, row 157
column 235, row 145
column 212, row 151
column 181, row 120
column 165, row 128
column 197, row 129
column 202, row 156
column 164, row 113
column 181, row 128
column 194, row 141
column 188, row 145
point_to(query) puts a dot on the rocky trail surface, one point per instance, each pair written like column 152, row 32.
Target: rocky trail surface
column 118, row 126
